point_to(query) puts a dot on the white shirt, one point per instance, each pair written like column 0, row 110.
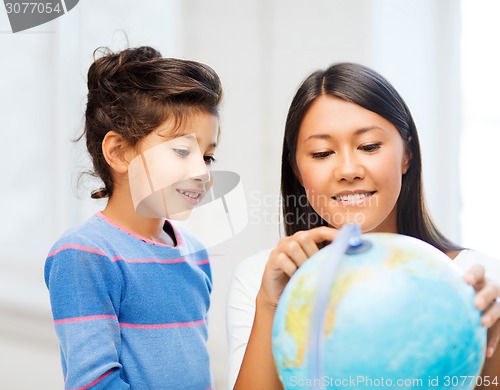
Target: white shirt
column 246, row 284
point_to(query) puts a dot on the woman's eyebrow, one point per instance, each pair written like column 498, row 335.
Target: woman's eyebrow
column 358, row 132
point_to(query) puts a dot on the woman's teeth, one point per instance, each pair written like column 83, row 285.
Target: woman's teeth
column 351, row 197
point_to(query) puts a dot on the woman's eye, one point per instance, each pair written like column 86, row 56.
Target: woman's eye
column 209, row 159
column 181, row 152
column 320, row 155
column 370, row 148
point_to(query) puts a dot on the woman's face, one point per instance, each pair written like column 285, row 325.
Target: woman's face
column 351, row 162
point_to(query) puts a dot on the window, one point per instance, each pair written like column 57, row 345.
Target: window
column 479, row 154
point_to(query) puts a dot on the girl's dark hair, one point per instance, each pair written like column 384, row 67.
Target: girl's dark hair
column 134, row 91
column 363, row 86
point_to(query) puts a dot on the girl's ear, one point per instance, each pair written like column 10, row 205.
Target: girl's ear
column 407, row 157
column 113, row 149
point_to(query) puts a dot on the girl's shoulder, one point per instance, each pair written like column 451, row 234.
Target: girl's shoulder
column 97, row 236
column 90, row 231
column 468, row 257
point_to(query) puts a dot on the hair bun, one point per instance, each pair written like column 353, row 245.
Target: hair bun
column 105, row 68
column 142, row 53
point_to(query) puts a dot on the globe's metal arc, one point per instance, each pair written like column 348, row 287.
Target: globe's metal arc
column 349, row 233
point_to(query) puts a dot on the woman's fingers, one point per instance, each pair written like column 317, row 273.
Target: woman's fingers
column 487, row 297
column 493, row 337
column 487, row 300
column 475, row 276
column 308, row 240
column 491, row 314
column 294, row 250
column 280, row 262
column 302, row 245
column 290, row 253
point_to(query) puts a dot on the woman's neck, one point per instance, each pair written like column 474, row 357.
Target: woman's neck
column 452, row 254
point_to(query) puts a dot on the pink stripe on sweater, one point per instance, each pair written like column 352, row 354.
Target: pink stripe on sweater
column 95, row 382
column 162, row 326
column 78, row 248
column 201, row 262
column 86, row 318
column 120, row 258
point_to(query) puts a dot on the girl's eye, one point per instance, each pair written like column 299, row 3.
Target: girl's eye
column 320, row 155
column 209, row 159
column 370, row 148
column 181, row 152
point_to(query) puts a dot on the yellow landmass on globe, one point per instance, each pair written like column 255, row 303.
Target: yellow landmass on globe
column 397, row 258
column 299, row 313
column 298, row 318
column 340, row 288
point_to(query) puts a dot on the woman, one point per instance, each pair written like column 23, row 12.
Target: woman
column 350, row 155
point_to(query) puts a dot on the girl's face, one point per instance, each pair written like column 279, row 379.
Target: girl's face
column 351, row 162
column 170, row 175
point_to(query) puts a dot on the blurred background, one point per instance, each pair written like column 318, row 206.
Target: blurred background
column 442, row 56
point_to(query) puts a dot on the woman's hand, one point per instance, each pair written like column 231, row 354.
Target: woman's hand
column 488, row 301
column 287, row 257
column 258, row 368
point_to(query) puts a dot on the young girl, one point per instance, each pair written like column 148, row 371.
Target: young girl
column 130, row 293
column 351, row 154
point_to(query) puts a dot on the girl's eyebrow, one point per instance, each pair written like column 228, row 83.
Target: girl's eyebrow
column 356, row 133
column 193, row 137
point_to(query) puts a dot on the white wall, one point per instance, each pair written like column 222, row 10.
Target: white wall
column 262, row 50
column 479, row 155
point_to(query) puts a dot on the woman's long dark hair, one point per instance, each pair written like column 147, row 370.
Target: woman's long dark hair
column 363, row 86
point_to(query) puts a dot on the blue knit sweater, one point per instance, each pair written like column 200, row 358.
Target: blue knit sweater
column 130, row 313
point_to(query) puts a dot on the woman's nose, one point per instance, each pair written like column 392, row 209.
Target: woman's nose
column 348, row 167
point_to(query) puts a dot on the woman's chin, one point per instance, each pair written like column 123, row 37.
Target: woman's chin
column 342, row 219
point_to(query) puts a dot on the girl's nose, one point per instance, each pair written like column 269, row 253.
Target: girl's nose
column 198, row 170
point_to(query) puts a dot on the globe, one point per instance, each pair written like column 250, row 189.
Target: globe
column 389, row 312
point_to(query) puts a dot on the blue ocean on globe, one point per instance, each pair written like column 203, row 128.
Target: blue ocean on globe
column 397, row 315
